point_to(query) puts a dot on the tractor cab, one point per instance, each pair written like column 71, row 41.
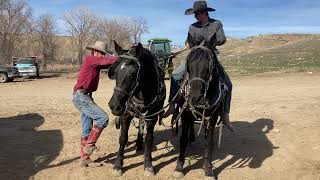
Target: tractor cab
column 161, row 49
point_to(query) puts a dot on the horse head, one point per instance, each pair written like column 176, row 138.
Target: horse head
column 126, row 72
column 199, row 66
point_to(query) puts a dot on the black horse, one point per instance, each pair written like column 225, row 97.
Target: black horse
column 201, row 100
column 139, row 92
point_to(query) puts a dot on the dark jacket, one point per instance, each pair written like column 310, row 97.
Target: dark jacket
column 212, row 32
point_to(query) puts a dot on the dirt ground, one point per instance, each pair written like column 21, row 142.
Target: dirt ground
column 276, row 116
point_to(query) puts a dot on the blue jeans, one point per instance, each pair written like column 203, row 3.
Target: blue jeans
column 89, row 111
column 177, row 76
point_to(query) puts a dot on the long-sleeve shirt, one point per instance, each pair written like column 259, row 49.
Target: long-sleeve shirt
column 88, row 78
column 212, row 32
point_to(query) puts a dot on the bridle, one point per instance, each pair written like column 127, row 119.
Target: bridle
column 136, row 60
column 133, row 106
column 186, row 86
column 206, row 81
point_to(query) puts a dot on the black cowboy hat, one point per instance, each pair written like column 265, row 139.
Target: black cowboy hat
column 199, row 6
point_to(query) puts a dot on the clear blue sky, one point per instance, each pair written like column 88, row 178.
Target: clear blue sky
column 241, row 18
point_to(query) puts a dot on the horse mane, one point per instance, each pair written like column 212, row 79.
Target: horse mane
column 150, row 79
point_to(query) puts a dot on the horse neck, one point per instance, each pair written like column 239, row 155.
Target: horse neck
column 149, row 83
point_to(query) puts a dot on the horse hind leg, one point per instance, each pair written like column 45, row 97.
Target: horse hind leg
column 148, row 168
column 123, row 140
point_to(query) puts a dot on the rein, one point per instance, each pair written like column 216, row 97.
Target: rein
column 133, row 105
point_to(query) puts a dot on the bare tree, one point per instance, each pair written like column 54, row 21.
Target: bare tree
column 82, row 25
column 14, row 16
column 118, row 29
column 46, row 30
column 139, row 27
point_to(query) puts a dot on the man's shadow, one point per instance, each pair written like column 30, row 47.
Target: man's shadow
column 248, row 148
column 24, row 150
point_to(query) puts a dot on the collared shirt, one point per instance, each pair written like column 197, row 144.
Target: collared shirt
column 212, row 32
column 88, row 78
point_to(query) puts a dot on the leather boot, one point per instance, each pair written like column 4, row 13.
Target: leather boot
column 84, row 158
column 90, row 145
column 226, row 122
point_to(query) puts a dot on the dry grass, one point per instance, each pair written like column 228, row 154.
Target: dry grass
column 62, row 68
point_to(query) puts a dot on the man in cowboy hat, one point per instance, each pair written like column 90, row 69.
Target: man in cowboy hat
column 87, row 83
column 204, row 29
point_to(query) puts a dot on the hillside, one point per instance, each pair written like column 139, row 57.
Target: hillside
column 264, row 53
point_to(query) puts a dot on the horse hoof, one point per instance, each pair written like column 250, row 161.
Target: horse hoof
column 209, row 178
column 178, row 175
column 117, row 172
column 148, row 172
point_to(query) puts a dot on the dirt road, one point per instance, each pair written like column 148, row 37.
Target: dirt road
column 277, row 117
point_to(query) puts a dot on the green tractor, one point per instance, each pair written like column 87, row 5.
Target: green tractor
column 161, row 49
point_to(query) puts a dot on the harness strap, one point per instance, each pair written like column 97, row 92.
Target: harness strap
column 197, row 79
column 121, row 90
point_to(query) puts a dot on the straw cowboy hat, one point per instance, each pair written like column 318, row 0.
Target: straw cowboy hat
column 199, row 6
column 99, row 46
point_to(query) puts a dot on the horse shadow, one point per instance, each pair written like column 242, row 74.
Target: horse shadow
column 25, row 150
column 249, row 147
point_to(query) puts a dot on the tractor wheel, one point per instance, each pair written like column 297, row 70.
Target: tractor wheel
column 3, row 78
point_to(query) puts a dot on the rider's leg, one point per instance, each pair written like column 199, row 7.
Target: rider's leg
column 176, row 77
column 227, row 103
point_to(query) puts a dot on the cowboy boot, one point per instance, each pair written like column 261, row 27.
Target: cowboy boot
column 84, row 158
column 90, row 147
column 226, row 121
column 170, row 111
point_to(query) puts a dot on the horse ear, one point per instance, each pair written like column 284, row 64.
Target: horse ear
column 139, row 50
column 112, row 68
column 213, row 40
column 118, row 48
column 190, row 40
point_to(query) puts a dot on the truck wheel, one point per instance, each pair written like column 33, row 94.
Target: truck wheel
column 3, row 77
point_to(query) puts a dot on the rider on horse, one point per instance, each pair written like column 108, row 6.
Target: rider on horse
column 209, row 30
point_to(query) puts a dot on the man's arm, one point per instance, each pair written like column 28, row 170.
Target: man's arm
column 220, row 36
column 102, row 62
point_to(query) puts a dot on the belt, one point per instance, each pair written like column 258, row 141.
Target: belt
column 83, row 91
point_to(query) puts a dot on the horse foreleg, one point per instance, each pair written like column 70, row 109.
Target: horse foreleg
column 178, row 173
column 148, row 168
column 209, row 143
column 192, row 137
column 123, row 140
column 139, row 141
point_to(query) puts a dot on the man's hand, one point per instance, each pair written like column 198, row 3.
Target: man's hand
column 185, row 48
